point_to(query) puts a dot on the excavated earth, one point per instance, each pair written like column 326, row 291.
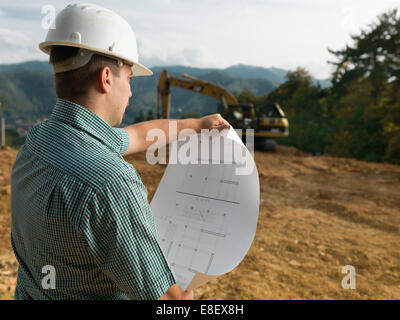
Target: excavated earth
column 317, row 214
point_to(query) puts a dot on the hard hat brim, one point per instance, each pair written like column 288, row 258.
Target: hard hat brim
column 138, row 69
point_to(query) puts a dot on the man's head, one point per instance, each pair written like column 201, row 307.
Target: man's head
column 101, row 79
column 94, row 53
column 76, row 83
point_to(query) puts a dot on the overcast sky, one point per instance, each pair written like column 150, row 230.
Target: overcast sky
column 211, row 33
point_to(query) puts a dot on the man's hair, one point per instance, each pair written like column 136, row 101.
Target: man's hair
column 76, row 83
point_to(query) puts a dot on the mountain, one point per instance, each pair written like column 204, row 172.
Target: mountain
column 28, row 87
column 196, row 72
column 275, row 75
column 29, row 65
column 30, row 94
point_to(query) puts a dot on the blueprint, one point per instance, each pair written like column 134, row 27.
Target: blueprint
column 206, row 212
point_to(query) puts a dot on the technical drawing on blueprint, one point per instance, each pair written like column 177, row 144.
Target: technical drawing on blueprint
column 205, row 216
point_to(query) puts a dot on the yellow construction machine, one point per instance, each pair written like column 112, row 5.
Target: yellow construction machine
column 273, row 124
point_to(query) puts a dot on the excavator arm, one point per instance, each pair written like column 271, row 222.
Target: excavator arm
column 193, row 84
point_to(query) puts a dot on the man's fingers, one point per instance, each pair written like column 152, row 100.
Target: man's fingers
column 215, row 121
column 224, row 124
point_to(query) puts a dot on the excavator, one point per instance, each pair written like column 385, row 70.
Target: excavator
column 271, row 125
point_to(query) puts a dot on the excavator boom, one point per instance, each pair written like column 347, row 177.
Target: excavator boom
column 193, row 84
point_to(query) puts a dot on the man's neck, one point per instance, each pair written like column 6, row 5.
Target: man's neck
column 95, row 105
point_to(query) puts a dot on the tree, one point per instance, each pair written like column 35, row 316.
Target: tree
column 140, row 117
column 358, row 129
column 150, row 114
column 247, row 97
column 366, row 85
column 190, row 114
column 305, row 107
column 3, row 104
column 374, row 54
column 390, row 103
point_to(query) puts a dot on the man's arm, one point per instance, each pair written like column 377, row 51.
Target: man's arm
column 137, row 132
column 121, row 238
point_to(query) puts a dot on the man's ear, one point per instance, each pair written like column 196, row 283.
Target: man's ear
column 104, row 79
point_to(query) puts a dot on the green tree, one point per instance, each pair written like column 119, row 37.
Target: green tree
column 374, row 54
column 366, row 84
column 306, row 109
column 150, row 114
column 358, row 130
column 141, row 117
column 247, row 97
column 390, row 103
column 3, row 104
column 13, row 139
column 190, row 115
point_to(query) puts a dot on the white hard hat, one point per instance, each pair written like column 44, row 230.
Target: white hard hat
column 93, row 29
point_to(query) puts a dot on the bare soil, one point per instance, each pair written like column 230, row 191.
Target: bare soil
column 317, row 214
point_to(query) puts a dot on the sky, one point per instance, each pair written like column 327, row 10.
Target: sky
column 210, row 33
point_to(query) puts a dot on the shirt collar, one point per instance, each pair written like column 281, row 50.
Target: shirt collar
column 82, row 118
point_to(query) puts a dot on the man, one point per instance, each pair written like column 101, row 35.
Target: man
column 82, row 227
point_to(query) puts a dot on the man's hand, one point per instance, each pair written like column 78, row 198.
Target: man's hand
column 214, row 121
column 176, row 293
column 188, row 295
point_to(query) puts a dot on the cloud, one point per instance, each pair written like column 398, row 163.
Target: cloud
column 199, row 57
column 14, row 54
column 12, row 37
column 17, row 46
column 22, row 13
column 211, row 33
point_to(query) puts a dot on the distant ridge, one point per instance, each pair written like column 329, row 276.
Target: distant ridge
column 33, row 65
column 29, row 89
column 275, row 76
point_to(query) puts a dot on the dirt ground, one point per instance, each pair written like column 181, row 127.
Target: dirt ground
column 317, row 214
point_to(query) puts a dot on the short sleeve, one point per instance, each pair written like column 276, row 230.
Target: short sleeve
column 121, row 234
column 124, row 138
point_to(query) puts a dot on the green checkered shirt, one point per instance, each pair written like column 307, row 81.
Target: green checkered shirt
column 78, row 206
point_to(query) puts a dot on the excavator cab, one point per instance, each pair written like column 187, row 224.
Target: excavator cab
column 241, row 116
column 274, row 121
column 273, row 110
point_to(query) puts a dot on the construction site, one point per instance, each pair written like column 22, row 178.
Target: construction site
column 317, row 215
column 327, row 153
